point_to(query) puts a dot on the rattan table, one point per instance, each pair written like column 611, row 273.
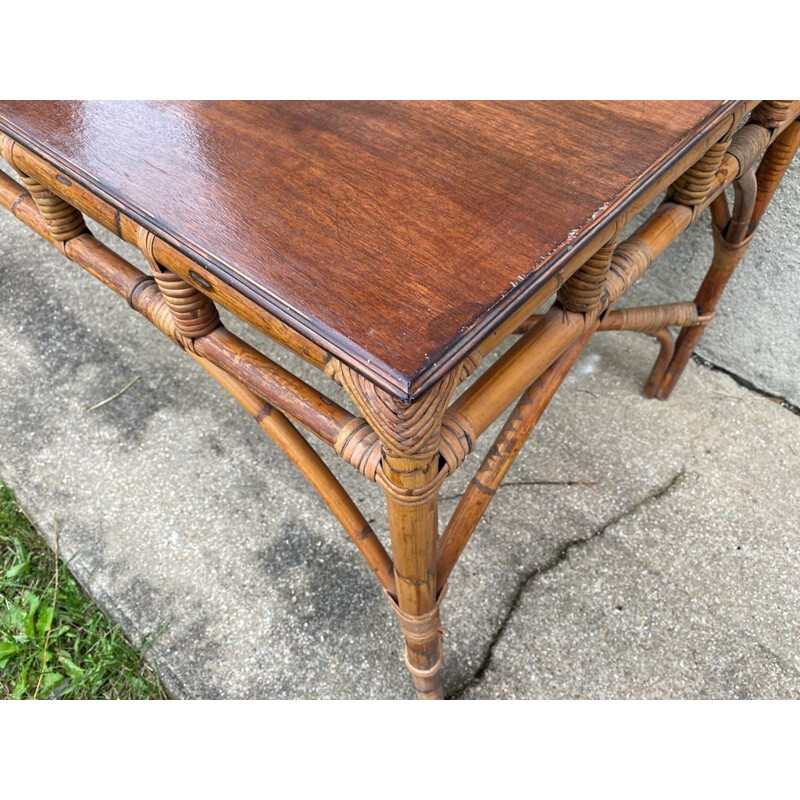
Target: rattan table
column 394, row 245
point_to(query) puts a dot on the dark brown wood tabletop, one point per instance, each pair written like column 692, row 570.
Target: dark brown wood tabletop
column 393, row 233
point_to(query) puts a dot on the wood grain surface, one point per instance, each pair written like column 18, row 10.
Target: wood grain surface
column 390, row 233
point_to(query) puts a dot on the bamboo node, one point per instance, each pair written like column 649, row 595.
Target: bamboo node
column 136, row 287
column 416, row 672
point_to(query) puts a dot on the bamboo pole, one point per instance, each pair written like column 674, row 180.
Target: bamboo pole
column 650, row 319
column 719, row 211
column 313, row 410
column 665, row 354
column 729, row 249
column 507, row 378
column 500, row 457
column 642, row 319
column 773, row 167
column 414, row 529
column 410, row 475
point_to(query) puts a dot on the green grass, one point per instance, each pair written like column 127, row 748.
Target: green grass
column 54, row 641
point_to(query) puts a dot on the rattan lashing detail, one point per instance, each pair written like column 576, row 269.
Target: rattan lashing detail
column 422, row 631
column 651, row 319
column 405, row 429
column 359, row 446
column 195, row 314
column 64, row 222
column 470, row 364
column 417, row 430
column 692, row 188
column 771, row 113
column 458, row 439
column 748, row 145
column 583, row 292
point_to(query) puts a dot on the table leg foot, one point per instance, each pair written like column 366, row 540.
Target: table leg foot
column 423, row 649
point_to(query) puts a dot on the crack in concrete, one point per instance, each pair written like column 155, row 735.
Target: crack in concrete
column 784, row 666
column 782, row 401
column 561, row 556
column 507, row 484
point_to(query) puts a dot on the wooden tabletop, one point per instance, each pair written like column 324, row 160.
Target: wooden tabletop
column 395, row 234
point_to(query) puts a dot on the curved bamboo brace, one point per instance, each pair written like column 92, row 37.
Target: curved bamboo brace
column 773, row 167
column 315, row 471
column 665, row 355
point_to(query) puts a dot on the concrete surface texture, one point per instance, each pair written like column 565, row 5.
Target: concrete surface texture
column 637, row 549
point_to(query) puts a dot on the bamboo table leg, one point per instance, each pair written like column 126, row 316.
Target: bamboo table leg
column 732, row 236
column 409, row 473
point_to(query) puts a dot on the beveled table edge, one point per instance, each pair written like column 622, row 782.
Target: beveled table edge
column 405, row 387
